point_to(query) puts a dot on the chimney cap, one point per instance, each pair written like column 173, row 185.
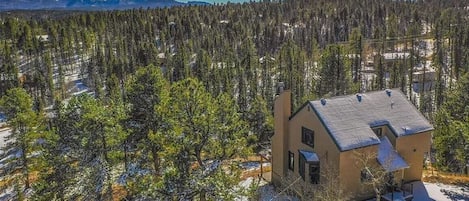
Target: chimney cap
column 359, row 97
column 388, row 92
column 323, row 101
column 280, row 87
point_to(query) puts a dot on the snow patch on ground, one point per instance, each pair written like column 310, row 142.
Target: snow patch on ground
column 268, row 193
column 423, row 191
column 440, row 192
column 253, row 165
column 265, row 191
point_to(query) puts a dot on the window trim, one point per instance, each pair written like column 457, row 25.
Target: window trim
column 291, row 161
column 302, row 166
column 304, row 132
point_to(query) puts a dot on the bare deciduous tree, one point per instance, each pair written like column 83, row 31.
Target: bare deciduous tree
column 327, row 190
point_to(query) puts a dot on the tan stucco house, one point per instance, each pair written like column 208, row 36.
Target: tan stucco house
column 331, row 133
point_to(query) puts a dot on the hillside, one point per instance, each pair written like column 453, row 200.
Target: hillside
column 8, row 5
column 166, row 102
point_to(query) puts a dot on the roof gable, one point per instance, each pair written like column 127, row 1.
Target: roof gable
column 349, row 120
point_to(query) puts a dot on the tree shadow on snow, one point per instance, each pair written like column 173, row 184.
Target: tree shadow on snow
column 454, row 195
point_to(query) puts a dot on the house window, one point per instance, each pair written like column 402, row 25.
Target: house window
column 365, row 175
column 291, row 160
column 378, row 131
column 310, row 160
column 389, row 178
column 307, row 136
column 314, row 173
column 301, row 167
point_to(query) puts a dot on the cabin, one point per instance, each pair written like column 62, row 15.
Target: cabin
column 329, row 134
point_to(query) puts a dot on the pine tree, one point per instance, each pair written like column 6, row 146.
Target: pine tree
column 147, row 94
column 451, row 135
column 199, row 147
column 260, row 120
column 26, row 128
column 96, row 138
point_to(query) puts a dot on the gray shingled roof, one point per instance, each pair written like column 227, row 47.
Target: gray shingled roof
column 349, row 121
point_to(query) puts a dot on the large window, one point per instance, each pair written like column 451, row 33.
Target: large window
column 291, row 160
column 314, row 173
column 307, row 136
column 309, row 161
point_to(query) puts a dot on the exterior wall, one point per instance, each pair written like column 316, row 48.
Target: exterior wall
column 350, row 170
column 282, row 112
column 413, row 148
column 324, row 146
column 390, row 135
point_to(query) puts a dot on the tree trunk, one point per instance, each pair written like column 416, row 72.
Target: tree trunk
column 202, row 195
column 156, row 160
column 25, row 166
column 108, row 174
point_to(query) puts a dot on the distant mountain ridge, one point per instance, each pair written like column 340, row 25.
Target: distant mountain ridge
column 89, row 4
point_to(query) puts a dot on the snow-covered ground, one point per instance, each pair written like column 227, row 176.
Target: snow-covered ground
column 253, row 165
column 4, row 132
column 440, row 192
column 268, row 193
column 422, row 192
column 265, row 191
column 6, row 193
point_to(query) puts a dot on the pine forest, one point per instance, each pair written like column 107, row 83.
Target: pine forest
column 165, row 103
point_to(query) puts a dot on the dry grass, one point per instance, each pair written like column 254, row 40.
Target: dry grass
column 33, row 176
column 118, row 192
column 9, row 181
column 434, row 176
column 6, row 182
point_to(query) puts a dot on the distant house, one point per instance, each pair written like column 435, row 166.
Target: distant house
column 391, row 59
column 328, row 133
column 78, row 87
column 43, row 38
column 390, row 56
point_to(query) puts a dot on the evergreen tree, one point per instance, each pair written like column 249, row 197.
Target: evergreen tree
column 147, row 96
column 451, row 135
column 26, row 127
column 96, row 140
column 200, row 145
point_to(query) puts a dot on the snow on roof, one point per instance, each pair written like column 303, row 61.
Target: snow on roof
column 395, row 55
column 161, row 55
column 388, row 157
column 309, row 156
column 349, row 121
column 79, row 87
